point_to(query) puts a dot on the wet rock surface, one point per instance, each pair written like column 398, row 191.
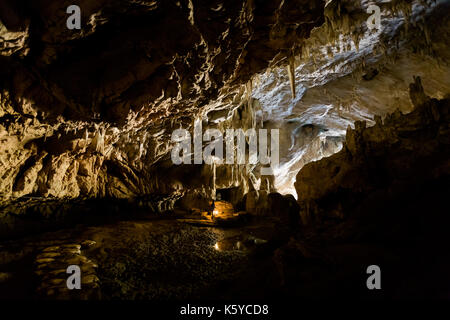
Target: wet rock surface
column 176, row 264
column 172, row 260
column 51, row 270
column 162, row 260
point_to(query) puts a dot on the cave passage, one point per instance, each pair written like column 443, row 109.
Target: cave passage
column 181, row 151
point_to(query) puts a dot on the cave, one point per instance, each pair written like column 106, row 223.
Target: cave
column 244, row 150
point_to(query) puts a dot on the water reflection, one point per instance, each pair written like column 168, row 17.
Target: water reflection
column 238, row 243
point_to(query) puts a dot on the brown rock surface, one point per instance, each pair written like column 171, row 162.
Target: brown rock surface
column 86, row 113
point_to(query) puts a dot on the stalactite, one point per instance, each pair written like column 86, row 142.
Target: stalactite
column 248, row 91
column 86, row 137
column 355, row 38
column 427, row 35
column 291, row 73
column 330, row 52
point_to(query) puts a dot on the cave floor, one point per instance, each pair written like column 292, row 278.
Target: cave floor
column 170, row 259
column 143, row 259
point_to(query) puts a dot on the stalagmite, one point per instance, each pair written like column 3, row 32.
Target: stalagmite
column 86, row 137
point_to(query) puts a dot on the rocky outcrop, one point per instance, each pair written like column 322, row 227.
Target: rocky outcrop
column 284, row 208
column 399, row 155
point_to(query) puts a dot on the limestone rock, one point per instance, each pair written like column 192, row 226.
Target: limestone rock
column 377, row 158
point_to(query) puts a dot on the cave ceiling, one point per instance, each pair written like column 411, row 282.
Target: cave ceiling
column 78, row 106
column 154, row 57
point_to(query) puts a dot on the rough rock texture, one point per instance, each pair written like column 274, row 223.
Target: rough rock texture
column 51, row 269
column 394, row 158
column 347, row 73
column 128, row 54
column 88, row 112
column 86, row 119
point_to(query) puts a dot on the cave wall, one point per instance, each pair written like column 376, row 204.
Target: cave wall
column 392, row 163
column 89, row 113
column 347, row 73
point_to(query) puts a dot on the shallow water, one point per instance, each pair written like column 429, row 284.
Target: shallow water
column 145, row 259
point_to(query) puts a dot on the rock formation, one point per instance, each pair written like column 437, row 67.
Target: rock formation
column 359, row 106
column 391, row 159
column 75, row 124
column 86, row 113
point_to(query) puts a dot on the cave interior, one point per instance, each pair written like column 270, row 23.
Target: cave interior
column 105, row 107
